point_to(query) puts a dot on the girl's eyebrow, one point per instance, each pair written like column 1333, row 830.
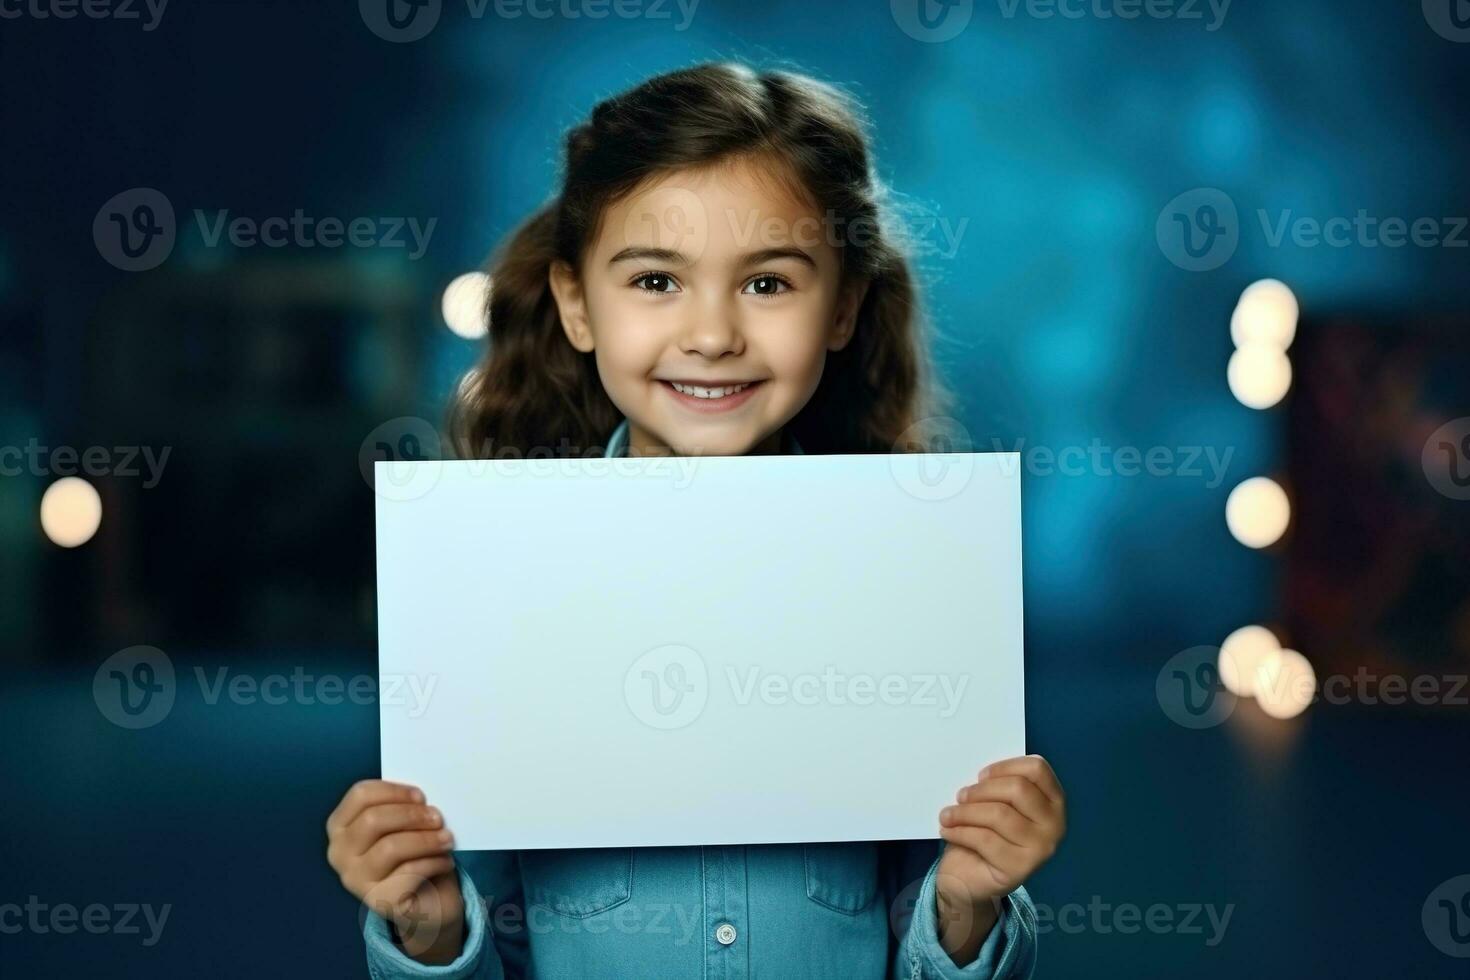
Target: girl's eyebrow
column 649, row 253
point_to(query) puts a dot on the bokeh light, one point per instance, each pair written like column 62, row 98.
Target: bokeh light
column 1266, row 314
column 71, row 512
column 1257, row 512
column 1259, row 375
column 464, row 305
column 1285, row 684
column 1241, row 654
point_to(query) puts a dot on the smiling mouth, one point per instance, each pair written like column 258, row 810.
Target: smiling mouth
column 709, row 398
column 710, row 391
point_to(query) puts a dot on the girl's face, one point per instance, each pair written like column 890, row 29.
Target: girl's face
column 719, row 282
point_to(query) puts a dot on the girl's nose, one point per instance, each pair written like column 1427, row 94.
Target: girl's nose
column 713, row 332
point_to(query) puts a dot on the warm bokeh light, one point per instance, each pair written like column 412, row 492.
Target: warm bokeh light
column 1241, row 654
column 71, row 511
column 1257, row 512
column 464, row 305
column 1259, row 375
column 1285, row 684
column 1266, row 314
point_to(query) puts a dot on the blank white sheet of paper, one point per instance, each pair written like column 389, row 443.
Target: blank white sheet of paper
column 698, row 650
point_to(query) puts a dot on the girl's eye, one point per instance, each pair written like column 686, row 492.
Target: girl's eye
column 656, row 282
column 767, row 285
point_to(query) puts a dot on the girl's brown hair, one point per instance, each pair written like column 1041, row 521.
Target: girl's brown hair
column 534, row 391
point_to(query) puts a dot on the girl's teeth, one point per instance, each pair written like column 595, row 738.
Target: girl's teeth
column 699, row 392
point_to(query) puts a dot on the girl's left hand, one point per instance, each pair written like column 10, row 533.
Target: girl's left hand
column 1000, row 829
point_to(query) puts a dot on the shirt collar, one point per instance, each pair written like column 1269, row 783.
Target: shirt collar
column 617, row 443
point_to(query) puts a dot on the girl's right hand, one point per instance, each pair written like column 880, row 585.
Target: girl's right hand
column 392, row 851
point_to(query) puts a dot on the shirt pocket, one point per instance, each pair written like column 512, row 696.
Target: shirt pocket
column 579, row 882
column 843, row 877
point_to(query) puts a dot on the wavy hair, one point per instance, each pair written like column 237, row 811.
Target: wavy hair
column 533, row 390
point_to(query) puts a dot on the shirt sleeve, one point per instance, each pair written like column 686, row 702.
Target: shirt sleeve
column 486, row 955
column 1008, row 953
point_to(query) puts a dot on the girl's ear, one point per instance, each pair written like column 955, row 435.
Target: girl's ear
column 850, row 298
column 571, row 304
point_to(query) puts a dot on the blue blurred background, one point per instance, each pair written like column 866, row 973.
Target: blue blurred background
column 1052, row 151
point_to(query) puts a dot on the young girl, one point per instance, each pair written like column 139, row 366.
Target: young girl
column 713, row 279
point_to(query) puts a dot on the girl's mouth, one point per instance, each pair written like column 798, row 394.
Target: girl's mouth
column 710, row 398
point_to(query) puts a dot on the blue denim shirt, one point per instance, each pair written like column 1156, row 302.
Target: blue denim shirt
column 849, row 910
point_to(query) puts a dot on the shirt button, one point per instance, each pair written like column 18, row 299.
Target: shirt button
column 725, row 933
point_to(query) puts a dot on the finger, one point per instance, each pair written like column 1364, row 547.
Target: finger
column 388, row 818
column 1002, row 818
column 391, row 851
column 1018, row 791
column 423, row 870
column 386, row 897
column 993, row 849
column 370, row 792
column 1032, row 767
